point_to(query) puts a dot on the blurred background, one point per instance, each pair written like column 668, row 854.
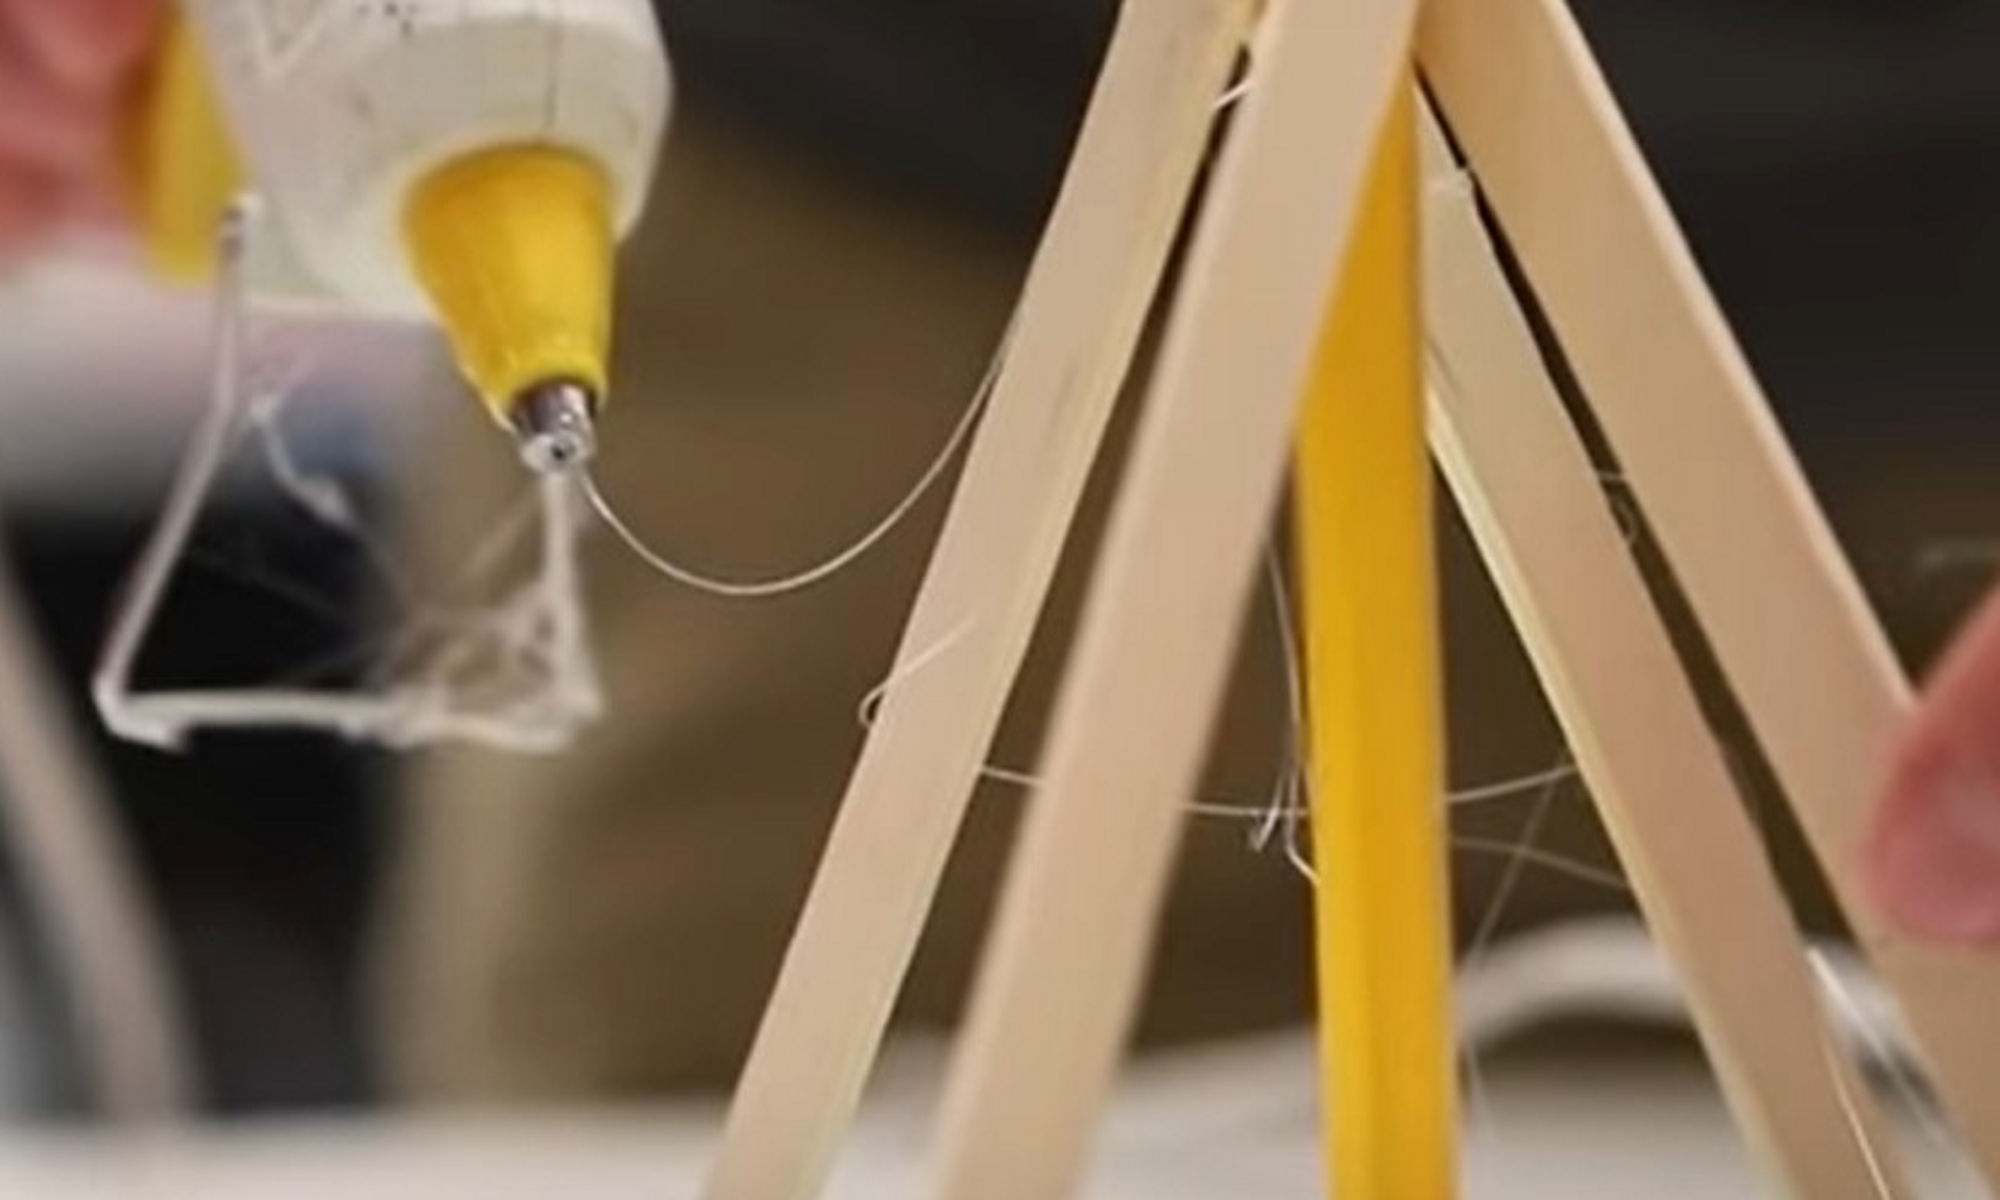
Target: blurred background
column 848, row 199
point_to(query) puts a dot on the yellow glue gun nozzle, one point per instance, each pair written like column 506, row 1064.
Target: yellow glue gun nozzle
column 514, row 247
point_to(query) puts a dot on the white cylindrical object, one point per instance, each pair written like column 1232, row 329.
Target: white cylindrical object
column 340, row 105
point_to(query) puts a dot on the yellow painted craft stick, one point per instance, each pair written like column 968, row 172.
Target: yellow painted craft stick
column 1379, row 839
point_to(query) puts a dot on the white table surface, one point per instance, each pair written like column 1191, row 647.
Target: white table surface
column 1233, row 1122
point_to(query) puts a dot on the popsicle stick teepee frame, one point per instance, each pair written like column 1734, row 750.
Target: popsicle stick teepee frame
column 1707, row 461
column 1532, row 498
column 1075, row 332
column 1544, row 145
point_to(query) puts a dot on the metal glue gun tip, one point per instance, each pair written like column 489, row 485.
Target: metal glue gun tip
column 557, row 426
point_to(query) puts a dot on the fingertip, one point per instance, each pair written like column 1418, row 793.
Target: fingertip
column 30, row 206
column 1961, row 700
column 89, row 44
column 1931, row 862
column 1933, row 865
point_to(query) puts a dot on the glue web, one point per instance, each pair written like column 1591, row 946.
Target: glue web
column 514, row 673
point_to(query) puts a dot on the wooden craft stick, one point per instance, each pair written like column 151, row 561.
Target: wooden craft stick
column 1369, row 603
column 1531, row 496
column 1076, row 329
column 1696, row 438
column 1063, row 968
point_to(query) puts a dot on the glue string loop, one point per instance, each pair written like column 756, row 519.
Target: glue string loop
column 1287, row 808
column 786, row 585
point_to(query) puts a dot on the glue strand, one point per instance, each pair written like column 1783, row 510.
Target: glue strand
column 247, row 574
column 1230, row 808
column 1287, row 808
column 1518, row 853
column 274, row 367
column 1224, row 808
column 1288, row 800
column 1507, row 789
column 788, row 584
column 1866, row 1029
column 1246, row 77
column 871, row 703
column 1548, row 860
column 111, row 681
column 322, row 496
